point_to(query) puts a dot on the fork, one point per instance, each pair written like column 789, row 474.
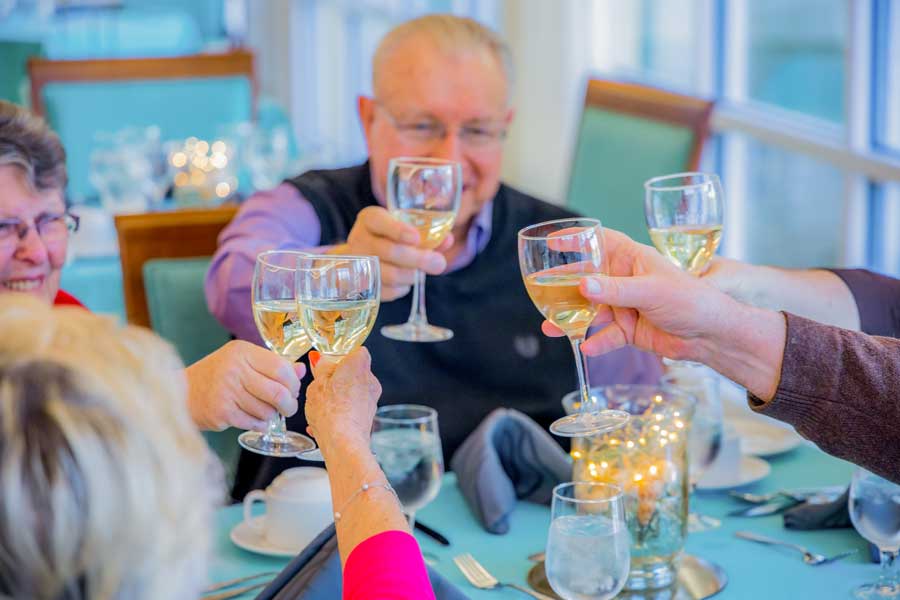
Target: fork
column 480, row 578
column 810, row 558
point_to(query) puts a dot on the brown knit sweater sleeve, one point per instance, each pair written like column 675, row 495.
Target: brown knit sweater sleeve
column 841, row 389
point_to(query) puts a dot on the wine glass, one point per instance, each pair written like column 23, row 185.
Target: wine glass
column 407, row 445
column 554, row 256
column 588, row 554
column 705, row 435
column 275, row 314
column 875, row 512
column 337, row 300
column 423, row 192
column 684, row 214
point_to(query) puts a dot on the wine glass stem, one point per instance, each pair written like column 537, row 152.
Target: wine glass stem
column 276, row 428
column 581, row 369
column 888, row 577
column 417, row 309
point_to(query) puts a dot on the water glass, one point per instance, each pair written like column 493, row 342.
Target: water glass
column 875, row 512
column 407, row 444
column 588, row 544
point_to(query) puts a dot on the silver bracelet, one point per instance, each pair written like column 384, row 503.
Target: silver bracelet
column 364, row 488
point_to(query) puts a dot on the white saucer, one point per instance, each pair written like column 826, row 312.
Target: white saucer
column 751, row 469
column 244, row 536
column 761, row 438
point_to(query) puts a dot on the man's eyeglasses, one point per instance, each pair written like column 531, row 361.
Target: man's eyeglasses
column 51, row 227
column 425, row 130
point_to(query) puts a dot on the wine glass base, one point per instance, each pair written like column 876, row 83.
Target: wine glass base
column 874, row 591
column 290, row 443
column 590, row 423
column 416, row 332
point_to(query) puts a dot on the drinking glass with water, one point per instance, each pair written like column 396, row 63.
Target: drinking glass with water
column 407, row 445
column 875, row 512
column 588, row 554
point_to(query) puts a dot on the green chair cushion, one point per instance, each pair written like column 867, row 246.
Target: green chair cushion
column 178, row 313
column 615, row 154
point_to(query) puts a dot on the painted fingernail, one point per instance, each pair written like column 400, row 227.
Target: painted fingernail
column 314, row 357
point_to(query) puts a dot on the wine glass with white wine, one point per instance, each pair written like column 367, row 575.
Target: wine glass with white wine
column 337, row 300
column 554, row 257
column 275, row 313
column 685, row 216
column 425, row 193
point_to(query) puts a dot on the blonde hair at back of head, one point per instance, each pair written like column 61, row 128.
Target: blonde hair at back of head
column 106, row 486
column 451, row 34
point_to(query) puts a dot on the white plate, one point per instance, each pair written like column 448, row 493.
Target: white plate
column 751, row 469
column 246, row 537
column 761, row 438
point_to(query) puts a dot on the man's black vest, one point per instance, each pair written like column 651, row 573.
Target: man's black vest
column 497, row 356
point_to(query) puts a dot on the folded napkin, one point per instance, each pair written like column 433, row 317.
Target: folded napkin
column 315, row 574
column 508, row 458
column 828, row 515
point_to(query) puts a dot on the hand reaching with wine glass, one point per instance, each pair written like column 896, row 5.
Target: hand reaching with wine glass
column 399, row 248
column 648, row 302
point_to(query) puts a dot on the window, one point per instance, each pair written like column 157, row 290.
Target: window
column 795, row 55
column 887, row 73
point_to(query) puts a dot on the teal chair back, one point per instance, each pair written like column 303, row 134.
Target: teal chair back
column 184, row 96
column 629, row 133
column 178, row 313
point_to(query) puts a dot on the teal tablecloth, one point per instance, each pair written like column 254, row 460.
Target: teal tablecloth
column 754, row 571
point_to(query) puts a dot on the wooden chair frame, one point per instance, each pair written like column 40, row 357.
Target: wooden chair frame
column 173, row 234
column 655, row 105
column 43, row 71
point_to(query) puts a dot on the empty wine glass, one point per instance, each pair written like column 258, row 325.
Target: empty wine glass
column 588, row 556
column 875, row 512
column 337, row 300
column 425, row 193
column 684, row 214
column 407, row 444
column 275, row 314
column 554, row 257
column 706, row 429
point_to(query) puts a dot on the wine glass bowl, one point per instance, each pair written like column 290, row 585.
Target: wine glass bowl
column 554, row 257
column 275, row 314
column 407, row 444
column 684, row 214
column 338, row 299
column 424, row 193
column 874, row 506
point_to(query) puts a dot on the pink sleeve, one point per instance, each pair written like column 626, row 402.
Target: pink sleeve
column 277, row 219
column 387, row 566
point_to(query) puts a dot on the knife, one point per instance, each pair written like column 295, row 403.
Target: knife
column 440, row 539
column 769, row 508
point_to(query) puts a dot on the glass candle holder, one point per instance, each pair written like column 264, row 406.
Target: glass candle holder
column 647, row 459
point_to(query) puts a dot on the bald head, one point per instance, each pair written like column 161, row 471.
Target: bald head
column 447, row 36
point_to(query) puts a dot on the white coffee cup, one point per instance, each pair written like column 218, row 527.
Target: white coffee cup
column 298, row 508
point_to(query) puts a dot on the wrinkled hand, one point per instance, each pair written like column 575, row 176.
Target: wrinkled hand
column 242, row 385
column 341, row 400
column 733, row 277
column 396, row 244
column 647, row 302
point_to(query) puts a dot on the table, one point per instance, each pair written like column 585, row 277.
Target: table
column 754, row 571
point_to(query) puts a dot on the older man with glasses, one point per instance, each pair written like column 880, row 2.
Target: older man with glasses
column 441, row 90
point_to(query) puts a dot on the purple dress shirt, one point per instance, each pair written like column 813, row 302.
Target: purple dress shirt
column 281, row 219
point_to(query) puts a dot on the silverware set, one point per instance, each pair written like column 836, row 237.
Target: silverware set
column 483, row 580
column 811, row 558
column 209, row 595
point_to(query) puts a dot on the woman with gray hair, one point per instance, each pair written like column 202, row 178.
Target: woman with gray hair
column 239, row 385
column 107, row 490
